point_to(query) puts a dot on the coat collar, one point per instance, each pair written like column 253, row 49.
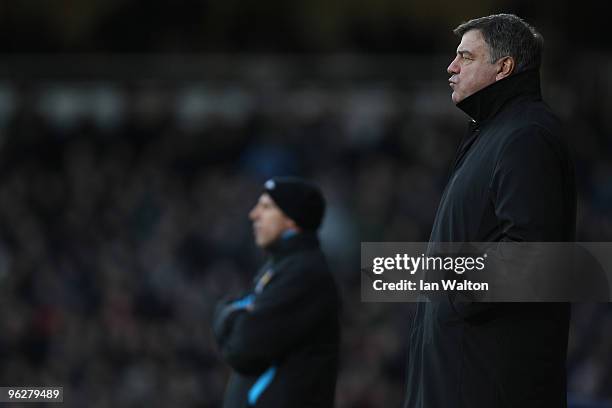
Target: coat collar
column 487, row 102
column 302, row 240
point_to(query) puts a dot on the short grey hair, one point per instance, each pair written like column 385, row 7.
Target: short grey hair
column 508, row 36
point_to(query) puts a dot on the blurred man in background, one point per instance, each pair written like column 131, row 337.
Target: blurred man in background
column 512, row 180
column 281, row 338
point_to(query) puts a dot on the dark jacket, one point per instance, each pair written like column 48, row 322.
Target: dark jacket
column 283, row 348
column 512, row 180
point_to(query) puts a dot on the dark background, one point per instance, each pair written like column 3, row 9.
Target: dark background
column 134, row 138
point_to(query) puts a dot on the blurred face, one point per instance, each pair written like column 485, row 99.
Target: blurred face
column 471, row 69
column 269, row 222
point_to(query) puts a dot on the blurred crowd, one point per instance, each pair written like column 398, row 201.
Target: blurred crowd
column 123, row 219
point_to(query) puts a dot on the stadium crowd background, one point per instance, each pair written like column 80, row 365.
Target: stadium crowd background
column 125, row 183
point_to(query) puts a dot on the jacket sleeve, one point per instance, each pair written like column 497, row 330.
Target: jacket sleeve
column 280, row 318
column 224, row 313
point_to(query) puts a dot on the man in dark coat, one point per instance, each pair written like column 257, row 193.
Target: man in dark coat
column 282, row 337
column 512, row 181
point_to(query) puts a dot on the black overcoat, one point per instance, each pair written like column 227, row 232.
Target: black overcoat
column 512, row 180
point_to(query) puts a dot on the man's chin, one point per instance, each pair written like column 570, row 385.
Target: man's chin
column 455, row 98
column 263, row 244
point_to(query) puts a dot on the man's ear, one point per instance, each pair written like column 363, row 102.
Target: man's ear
column 506, row 68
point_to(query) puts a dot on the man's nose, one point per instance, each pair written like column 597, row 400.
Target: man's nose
column 253, row 213
column 453, row 67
